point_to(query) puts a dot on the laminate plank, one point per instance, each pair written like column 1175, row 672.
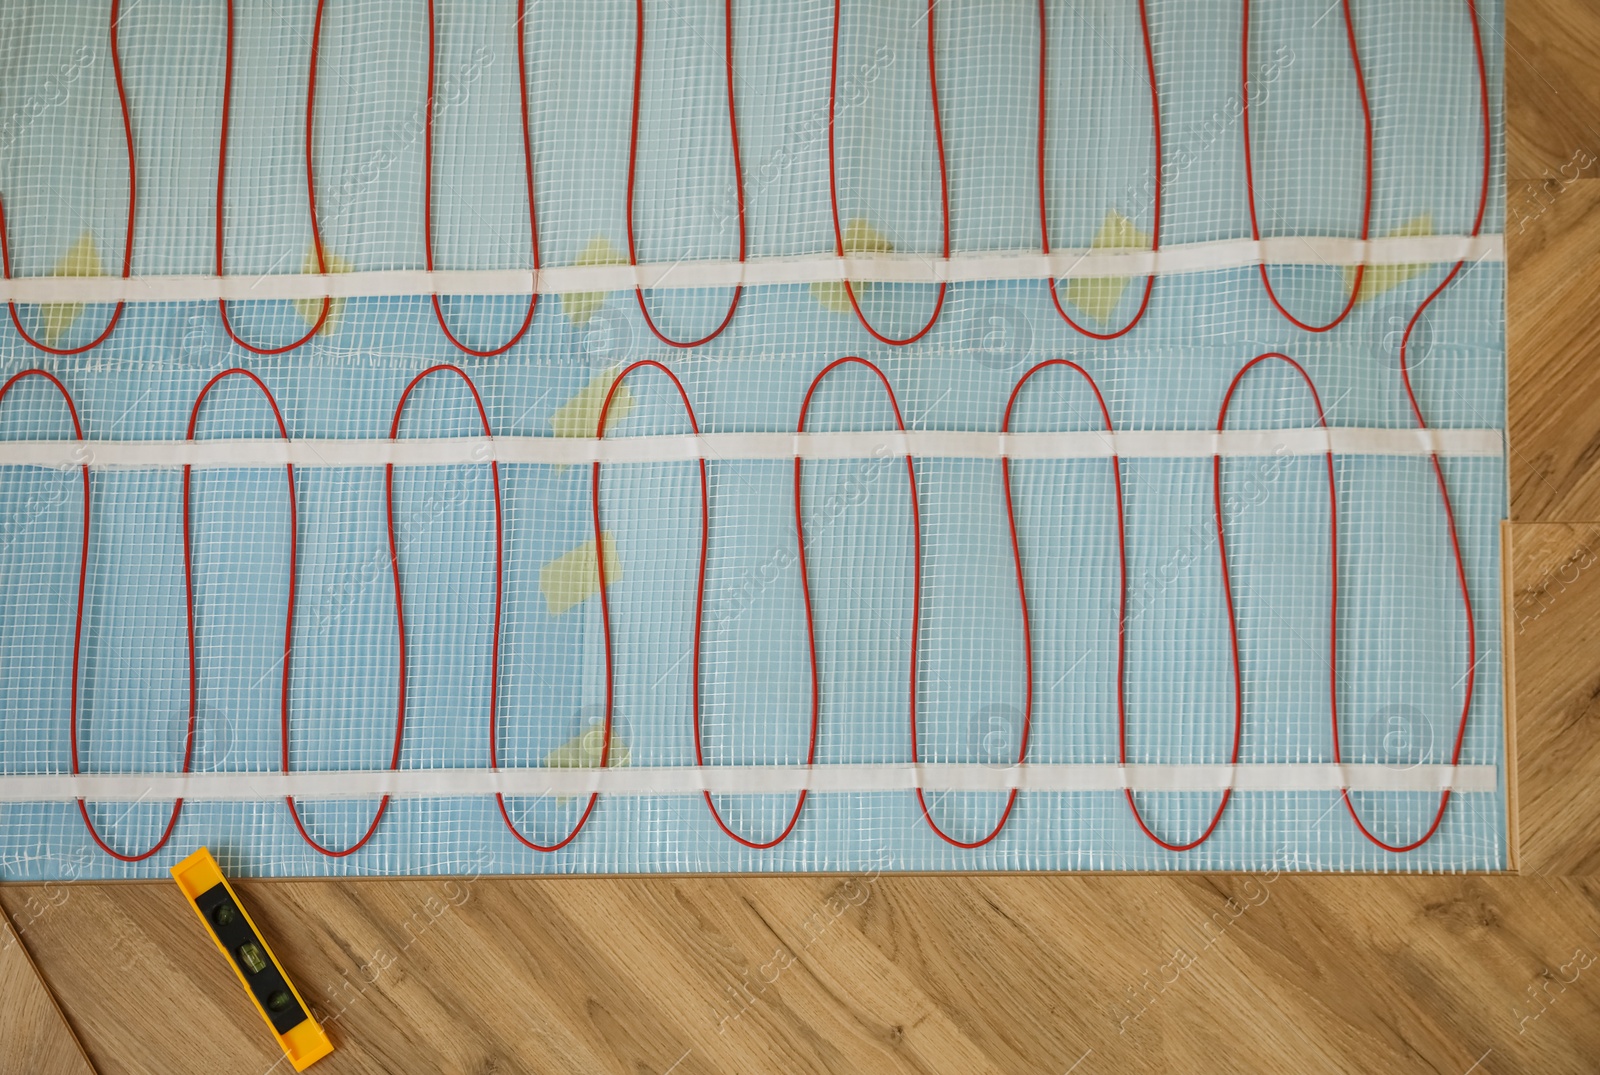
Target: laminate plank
column 889, row 973
column 36, row 1035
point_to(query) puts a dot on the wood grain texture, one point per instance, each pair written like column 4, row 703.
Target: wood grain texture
column 1055, row 974
column 1552, row 237
column 1552, row 95
column 1555, row 611
column 1554, row 338
column 1553, row 251
column 873, row 974
column 36, row 1036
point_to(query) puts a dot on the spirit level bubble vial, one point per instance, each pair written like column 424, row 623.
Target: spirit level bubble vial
column 301, row 1036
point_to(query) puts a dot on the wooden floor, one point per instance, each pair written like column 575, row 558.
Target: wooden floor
column 978, row 974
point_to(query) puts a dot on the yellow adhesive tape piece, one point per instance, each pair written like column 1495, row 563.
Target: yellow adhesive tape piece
column 571, row 579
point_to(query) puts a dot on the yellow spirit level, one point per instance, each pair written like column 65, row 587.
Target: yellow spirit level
column 275, row 997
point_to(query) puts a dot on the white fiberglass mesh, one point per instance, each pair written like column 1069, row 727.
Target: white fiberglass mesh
column 1401, row 642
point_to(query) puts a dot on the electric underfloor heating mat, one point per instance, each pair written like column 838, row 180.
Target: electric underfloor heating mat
column 752, row 435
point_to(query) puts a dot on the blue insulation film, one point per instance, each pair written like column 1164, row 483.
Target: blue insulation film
column 491, row 541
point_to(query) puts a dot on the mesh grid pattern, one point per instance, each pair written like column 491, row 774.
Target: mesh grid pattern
column 1401, row 636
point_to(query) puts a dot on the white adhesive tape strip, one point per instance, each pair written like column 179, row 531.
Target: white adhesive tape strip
column 744, row 779
column 1165, row 444
column 904, row 268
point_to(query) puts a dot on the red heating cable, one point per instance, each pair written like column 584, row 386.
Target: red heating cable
column 1044, row 222
column 127, row 249
column 294, row 544
column 916, row 589
column 605, row 600
column 1227, row 580
column 1249, row 169
column 1438, row 471
column 527, row 162
column 77, row 640
column 705, row 540
column 1022, row 589
column 833, row 179
column 633, row 160
column 311, row 191
column 399, row 609
column 1122, row 611
column 1411, row 398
